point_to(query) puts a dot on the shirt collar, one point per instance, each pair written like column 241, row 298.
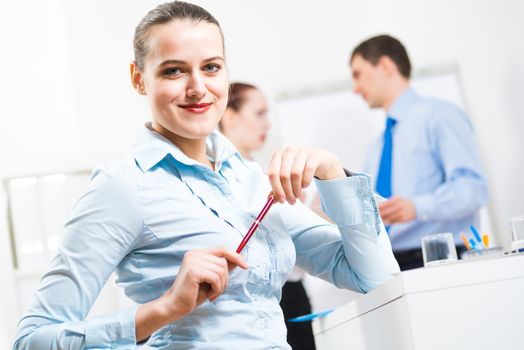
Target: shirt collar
column 151, row 148
column 402, row 104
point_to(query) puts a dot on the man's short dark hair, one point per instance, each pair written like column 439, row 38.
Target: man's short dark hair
column 384, row 45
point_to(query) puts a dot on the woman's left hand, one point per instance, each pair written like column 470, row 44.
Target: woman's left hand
column 293, row 169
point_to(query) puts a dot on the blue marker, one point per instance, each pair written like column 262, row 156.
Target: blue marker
column 473, row 244
column 310, row 317
column 476, row 234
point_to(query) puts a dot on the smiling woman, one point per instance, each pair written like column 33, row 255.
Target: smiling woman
column 167, row 219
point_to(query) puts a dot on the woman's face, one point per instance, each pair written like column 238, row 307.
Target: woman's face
column 252, row 123
column 185, row 79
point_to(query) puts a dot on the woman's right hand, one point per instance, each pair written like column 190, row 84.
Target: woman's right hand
column 203, row 275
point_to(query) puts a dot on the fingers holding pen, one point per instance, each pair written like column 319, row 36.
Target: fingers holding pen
column 215, row 273
column 299, row 172
column 274, row 177
column 310, row 167
column 286, row 173
column 292, row 170
column 289, row 176
column 203, row 274
column 218, row 263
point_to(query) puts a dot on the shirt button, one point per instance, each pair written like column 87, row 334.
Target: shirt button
column 360, row 193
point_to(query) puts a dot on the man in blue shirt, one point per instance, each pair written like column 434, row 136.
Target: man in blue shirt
column 425, row 163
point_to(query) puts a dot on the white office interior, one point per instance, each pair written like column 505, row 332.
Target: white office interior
column 67, row 104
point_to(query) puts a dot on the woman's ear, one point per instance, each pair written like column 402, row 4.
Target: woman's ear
column 136, row 79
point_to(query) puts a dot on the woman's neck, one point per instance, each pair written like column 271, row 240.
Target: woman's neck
column 193, row 148
column 245, row 153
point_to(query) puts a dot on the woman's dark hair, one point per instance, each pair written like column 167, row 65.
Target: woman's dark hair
column 237, row 93
column 384, row 45
column 164, row 13
column 236, row 97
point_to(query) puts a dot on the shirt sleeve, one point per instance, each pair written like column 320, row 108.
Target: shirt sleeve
column 105, row 226
column 464, row 189
column 356, row 252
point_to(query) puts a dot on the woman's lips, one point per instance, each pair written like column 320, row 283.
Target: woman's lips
column 197, row 108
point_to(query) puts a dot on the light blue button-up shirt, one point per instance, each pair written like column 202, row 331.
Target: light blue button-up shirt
column 142, row 214
column 436, row 164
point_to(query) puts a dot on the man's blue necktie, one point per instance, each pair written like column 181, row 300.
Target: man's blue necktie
column 384, row 170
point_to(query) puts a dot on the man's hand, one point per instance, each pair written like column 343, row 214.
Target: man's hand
column 396, row 210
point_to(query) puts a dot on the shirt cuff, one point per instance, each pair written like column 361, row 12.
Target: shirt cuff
column 349, row 201
column 423, row 206
column 116, row 331
column 348, row 172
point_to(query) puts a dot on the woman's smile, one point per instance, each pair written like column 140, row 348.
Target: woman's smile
column 197, row 108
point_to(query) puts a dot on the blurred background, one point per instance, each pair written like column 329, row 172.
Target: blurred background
column 67, row 105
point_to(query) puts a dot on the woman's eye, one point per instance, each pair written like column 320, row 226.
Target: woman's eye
column 172, row 71
column 211, row 68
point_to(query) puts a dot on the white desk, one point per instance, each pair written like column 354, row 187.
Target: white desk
column 472, row 304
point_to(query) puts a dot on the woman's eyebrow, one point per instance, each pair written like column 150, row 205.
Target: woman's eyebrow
column 168, row 62
column 180, row 62
column 214, row 58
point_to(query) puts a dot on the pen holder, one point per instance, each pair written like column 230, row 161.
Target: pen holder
column 482, row 253
column 438, row 249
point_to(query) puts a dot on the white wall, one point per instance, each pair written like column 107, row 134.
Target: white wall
column 8, row 310
column 66, row 101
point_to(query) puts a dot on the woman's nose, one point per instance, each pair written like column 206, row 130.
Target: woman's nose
column 196, row 87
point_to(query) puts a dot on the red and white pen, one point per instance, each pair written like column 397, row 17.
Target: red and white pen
column 254, row 226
